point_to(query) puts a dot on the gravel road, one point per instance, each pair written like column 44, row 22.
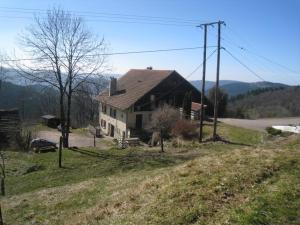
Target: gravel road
column 74, row 139
column 261, row 124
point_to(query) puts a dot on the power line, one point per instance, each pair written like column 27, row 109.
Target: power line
column 168, row 20
column 105, row 13
column 258, row 61
column 111, row 21
column 245, row 50
column 272, row 61
column 115, row 53
column 244, row 65
column 259, row 55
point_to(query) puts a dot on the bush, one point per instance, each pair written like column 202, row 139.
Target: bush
column 185, row 129
column 25, row 137
column 273, row 131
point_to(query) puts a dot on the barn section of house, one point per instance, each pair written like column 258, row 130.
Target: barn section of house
column 127, row 106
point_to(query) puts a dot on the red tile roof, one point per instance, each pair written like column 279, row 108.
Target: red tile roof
column 197, row 106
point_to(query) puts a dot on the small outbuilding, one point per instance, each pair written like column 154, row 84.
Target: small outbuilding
column 51, row 121
column 196, row 110
column 10, row 127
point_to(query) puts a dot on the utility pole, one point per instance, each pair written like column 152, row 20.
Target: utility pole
column 217, row 82
column 205, row 25
column 203, row 82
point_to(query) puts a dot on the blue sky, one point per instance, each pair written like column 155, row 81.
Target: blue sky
column 269, row 28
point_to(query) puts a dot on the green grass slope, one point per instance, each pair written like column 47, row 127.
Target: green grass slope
column 251, row 181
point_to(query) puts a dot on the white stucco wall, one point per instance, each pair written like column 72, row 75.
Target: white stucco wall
column 132, row 118
column 123, row 122
column 119, row 122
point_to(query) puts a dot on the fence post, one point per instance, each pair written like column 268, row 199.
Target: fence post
column 60, row 151
column 94, row 140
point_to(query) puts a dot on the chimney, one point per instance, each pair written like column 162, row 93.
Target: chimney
column 112, row 86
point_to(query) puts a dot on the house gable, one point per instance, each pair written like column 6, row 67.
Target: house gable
column 171, row 91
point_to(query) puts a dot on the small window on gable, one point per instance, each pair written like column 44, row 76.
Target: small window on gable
column 104, row 109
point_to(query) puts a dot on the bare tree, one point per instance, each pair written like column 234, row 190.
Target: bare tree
column 66, row 54
column 163, row 120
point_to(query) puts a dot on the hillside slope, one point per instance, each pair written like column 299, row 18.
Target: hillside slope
column 210, row 84
column 273, row 103
column 213, row 183
column 27, row 98
column 234, row 88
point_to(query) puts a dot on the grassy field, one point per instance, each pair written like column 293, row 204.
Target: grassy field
column 253, row 180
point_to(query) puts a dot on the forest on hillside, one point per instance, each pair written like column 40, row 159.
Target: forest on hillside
column 33, row 101
column 264, row 103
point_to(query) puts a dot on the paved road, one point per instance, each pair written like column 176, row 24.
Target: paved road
column 261, row 124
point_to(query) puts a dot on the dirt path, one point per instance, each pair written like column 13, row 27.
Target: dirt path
column 261, row 124
column 74, row 139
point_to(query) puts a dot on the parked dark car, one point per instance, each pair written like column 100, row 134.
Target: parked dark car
column 38, row 145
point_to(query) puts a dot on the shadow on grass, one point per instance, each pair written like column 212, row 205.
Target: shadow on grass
column 223, row 140
column 136, row 159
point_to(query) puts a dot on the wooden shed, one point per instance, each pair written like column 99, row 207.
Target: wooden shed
column 10, row 127
column 51, row 121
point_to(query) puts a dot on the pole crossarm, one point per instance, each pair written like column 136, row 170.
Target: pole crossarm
column 211, row 24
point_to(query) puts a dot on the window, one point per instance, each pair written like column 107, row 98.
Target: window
column 103, row 108
column 152, row 100
column 113, row 113
column 103, row 124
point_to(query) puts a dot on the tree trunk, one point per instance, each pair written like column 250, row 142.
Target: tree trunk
column 68, row 114
column 60, row 152
column 161, row 141
column 62, row 117
column 2, row 186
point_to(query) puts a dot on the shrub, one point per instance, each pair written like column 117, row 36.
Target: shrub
column 25, row 137
column 273, row 131
column 185, row 129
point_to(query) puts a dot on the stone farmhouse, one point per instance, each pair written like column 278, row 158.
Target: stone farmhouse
column 127, row 106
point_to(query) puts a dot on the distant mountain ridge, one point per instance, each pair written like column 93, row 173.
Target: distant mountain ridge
column 262, row 103
column 234, row 88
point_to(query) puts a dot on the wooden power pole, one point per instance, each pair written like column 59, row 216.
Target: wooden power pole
column 205, row 25
column 217, row 81
column 203, row 82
